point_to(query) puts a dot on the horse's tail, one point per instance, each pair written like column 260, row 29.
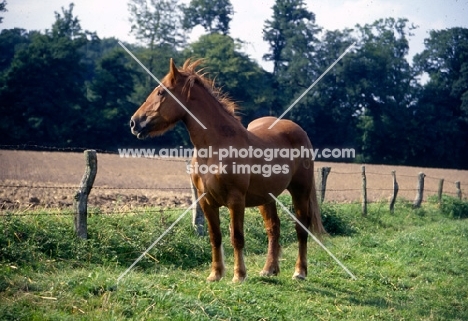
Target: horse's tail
column 314, row 212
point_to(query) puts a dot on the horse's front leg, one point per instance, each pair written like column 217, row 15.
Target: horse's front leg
column 217, row 256
column 236, row 211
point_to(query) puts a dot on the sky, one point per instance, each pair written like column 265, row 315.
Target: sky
column 110, row 18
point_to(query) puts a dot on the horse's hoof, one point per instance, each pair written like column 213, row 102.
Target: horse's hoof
column 267, row 273
column 238, row 279
column 298, row 276
column 214, row 277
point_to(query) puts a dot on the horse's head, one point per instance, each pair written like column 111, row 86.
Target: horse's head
column 160, row 112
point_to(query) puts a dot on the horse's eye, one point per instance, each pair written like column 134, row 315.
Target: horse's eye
column 161, row 92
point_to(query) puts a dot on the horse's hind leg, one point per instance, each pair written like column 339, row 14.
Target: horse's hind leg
column 300, row 199
column 272, row 226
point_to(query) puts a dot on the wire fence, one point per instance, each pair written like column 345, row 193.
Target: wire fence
column 343, row 186
column 28, row 147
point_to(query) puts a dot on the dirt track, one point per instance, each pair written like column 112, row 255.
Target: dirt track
column 124, row 183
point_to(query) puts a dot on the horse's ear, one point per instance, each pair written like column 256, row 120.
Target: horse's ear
column 173, row 72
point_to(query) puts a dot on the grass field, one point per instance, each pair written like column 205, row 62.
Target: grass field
column 412, row 265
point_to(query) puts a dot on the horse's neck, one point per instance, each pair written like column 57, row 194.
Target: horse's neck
column 221, row 127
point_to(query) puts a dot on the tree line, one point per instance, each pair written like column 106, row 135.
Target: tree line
column 67, row 87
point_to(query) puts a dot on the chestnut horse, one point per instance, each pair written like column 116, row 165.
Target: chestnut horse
column 229, row 185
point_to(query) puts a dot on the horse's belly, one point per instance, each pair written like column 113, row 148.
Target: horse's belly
column 259, row 189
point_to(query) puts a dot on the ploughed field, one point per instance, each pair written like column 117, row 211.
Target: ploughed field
column 30, row 179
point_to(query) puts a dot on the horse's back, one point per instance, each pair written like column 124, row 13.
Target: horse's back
column 283, row 129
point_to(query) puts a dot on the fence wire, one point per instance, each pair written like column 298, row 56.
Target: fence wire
column 94, row 187
column 8, row 207
column 27, row 147
column 68, row 212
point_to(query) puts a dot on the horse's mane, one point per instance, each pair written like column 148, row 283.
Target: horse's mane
column 189, row 70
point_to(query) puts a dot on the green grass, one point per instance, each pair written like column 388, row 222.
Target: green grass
column 412, row 265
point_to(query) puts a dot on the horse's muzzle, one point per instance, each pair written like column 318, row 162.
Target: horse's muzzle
column 137, row 129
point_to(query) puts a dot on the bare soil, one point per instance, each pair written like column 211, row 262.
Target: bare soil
column 50, row 179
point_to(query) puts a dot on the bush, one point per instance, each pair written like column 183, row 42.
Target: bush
column 15, row 245
column 453, row 207
column 334, row 221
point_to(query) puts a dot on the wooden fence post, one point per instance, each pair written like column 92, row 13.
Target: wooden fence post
column 364, row 191
column 81, row 197
column 198, row 218
column 440, row 190
column 322, row 183
column 395, row 192
column 459, row 192
column 419, row 196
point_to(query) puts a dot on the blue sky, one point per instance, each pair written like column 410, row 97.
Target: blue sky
column 110, row 18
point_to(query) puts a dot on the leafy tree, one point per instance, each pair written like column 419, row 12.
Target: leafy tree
column 367, row 98
column 66, row 25
column 42, row 98
column 213, row 15
column 445, row 60
column 441, row 115
column 327, row 112
column 2, row 8
column 111, row 108
column 291, row 34
column 156, row 23
column 385, row 85
column 11, row 40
